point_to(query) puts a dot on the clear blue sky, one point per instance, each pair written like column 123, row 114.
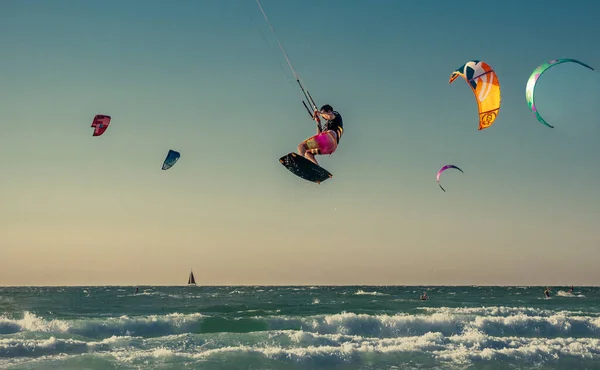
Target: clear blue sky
column 206, row 78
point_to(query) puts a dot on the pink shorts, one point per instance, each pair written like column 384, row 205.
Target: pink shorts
column 323, row 143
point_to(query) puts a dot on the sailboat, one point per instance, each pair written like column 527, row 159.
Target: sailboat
column 191, row 280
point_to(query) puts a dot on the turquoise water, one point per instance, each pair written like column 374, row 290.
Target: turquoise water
column 266, row 327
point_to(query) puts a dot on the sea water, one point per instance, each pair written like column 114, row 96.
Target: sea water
column 302, row 327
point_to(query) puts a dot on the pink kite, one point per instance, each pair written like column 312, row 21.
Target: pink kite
column 444, row 169
column 100, row 124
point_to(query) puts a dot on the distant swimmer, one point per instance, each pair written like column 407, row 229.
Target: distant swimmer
column 547, row 292
column 136, row 290
column 424, row 297
column 572, row 289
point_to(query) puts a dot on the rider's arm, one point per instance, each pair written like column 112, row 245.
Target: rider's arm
column 316, row 115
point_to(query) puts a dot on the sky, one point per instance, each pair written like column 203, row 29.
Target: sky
column 206, row 78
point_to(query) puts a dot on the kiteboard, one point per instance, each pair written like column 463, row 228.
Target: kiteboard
column 304, row 168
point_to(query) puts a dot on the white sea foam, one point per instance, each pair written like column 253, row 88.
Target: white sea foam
column 330, row 349
column 153, row 325
column 362, row 292
column 455, row 336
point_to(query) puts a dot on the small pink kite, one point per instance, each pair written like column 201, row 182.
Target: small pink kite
column 448, row 166
column 100, row 124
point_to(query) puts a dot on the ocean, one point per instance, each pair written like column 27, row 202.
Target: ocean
column 299, row 327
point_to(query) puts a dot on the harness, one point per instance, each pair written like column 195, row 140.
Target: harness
column 338, row 122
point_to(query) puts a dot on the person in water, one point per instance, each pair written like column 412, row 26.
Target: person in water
column 547, row 292
column 326, row 141
column 424, row 297
column 572, row 289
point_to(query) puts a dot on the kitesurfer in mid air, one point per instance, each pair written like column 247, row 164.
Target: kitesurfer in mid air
column 325, row 141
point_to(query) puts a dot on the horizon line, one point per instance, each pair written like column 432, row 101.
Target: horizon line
column 295, row 285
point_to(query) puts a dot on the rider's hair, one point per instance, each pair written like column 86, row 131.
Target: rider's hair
column 327, row 108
